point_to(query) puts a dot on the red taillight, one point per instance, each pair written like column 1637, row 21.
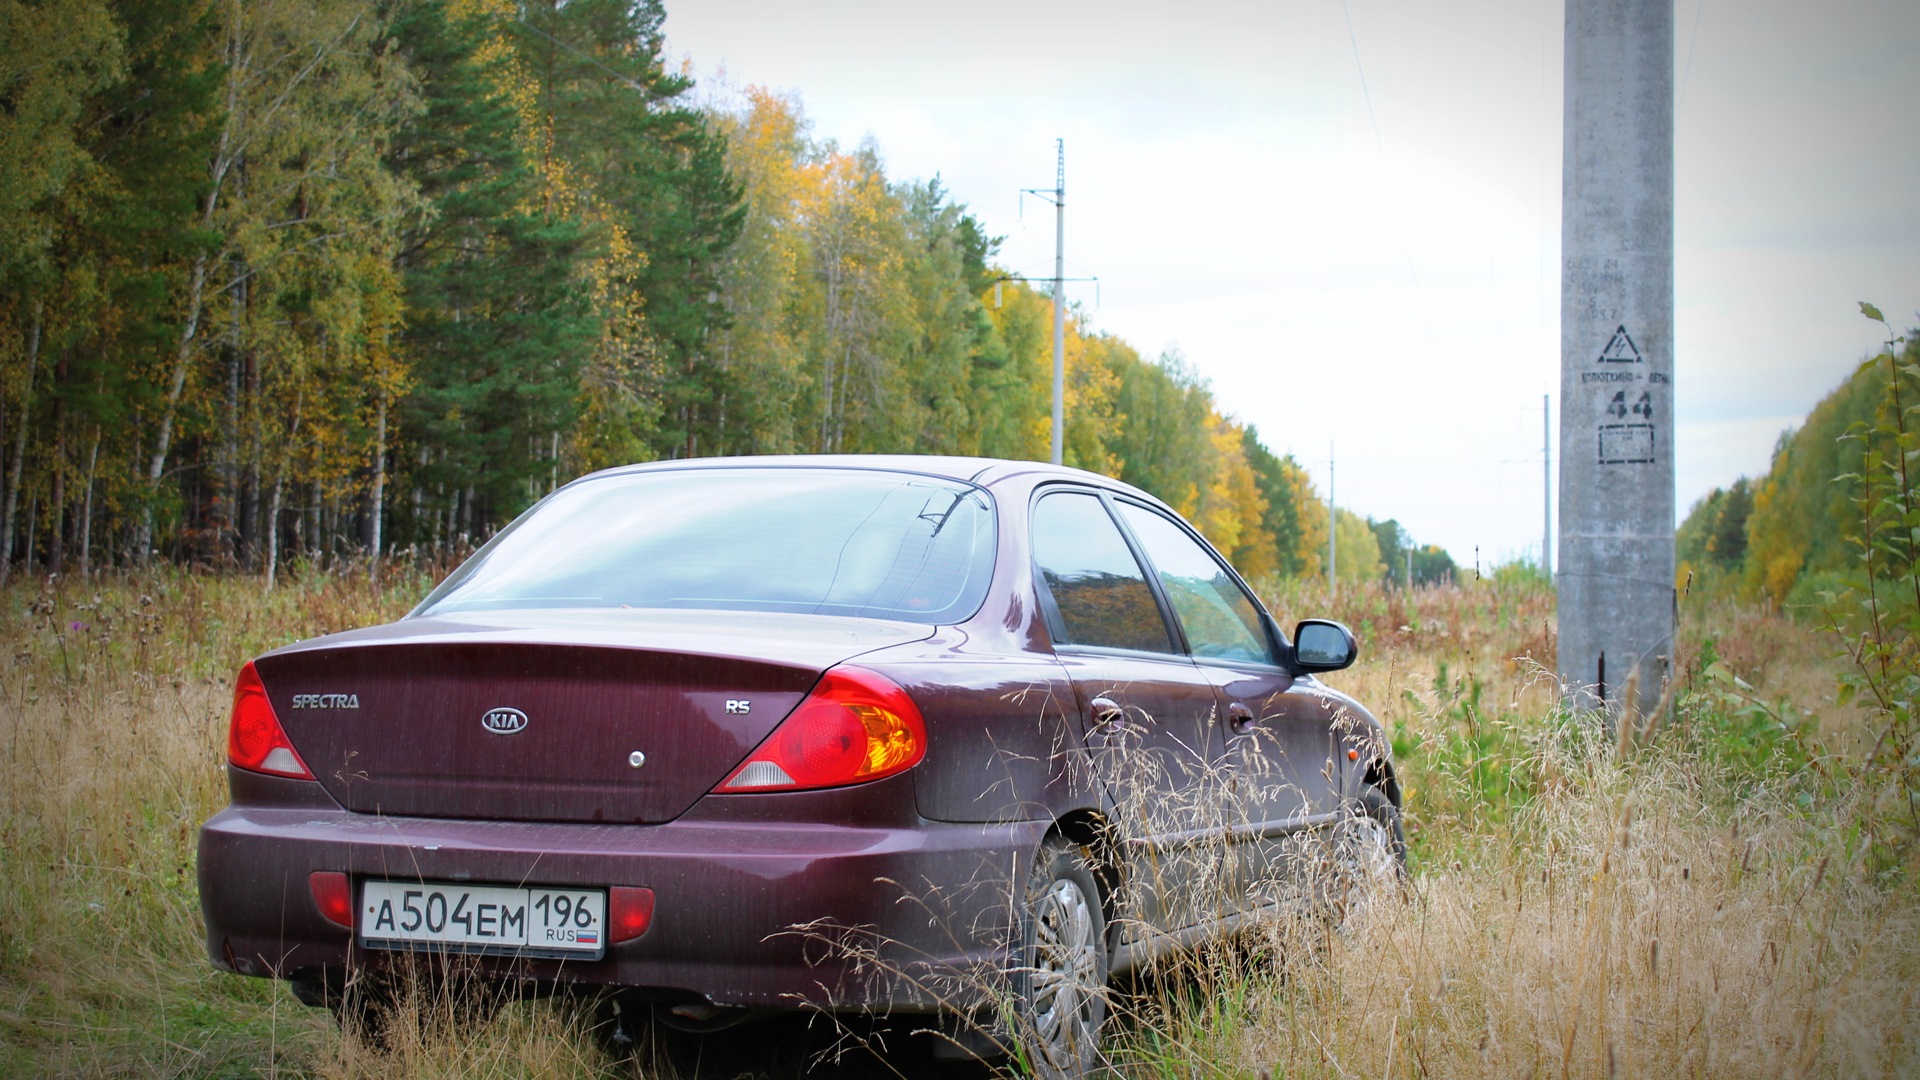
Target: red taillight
column 255, row 739
column 855, row 726
column 332, row 896
column 629, row 913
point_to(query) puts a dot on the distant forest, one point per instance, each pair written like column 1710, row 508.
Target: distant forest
column 321, row 278
column 1799, row 534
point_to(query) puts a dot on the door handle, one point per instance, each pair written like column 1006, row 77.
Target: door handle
column 1239, row 716
column 1105, row 711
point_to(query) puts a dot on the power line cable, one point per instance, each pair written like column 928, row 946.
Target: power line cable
column 1406, row 250
column 1362, row 68
column 1691, row 42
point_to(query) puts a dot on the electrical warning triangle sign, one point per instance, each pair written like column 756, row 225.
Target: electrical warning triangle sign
column 1620, row 350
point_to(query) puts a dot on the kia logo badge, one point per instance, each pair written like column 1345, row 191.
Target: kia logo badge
column 504, row 721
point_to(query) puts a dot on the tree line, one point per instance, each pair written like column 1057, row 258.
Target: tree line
column 1801, row 533
column 327, row 277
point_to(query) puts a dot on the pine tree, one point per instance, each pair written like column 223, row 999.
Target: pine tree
column 151, row 130
column 119, row 113
column 498, row 327
column 650, row 180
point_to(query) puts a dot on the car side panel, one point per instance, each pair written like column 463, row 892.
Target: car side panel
column 1003, row 727
column 1282, row 759
column 1001, row 738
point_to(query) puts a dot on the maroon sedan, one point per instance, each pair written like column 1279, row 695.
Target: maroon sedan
column 874, row 734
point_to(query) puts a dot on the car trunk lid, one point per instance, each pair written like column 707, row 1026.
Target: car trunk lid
column 616, row 716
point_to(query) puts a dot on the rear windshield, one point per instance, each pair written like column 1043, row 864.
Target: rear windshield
column 826, row 541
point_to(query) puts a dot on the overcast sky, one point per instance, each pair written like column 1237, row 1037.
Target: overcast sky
column 1347, row 215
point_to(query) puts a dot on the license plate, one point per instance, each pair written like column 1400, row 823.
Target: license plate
column 536, row 920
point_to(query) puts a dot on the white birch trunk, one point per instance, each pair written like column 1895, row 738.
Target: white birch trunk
column 379, row 486
column 7, row 521
column 86, row 508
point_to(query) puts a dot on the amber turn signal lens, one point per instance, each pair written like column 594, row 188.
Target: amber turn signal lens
column 856, row 725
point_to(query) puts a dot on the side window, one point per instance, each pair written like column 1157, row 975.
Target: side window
column 1096, row 582
column 1219, row 619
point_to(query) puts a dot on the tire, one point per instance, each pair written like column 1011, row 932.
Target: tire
column 1367, row 854
column 1060, row 982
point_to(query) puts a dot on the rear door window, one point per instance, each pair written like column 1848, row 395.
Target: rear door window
column 1098, row 590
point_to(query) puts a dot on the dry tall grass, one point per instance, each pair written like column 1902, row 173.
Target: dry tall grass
column 112, row 741
column 1626, row 930
column 1715, row 903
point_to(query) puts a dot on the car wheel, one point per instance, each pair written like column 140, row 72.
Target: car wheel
column 1368, row 853
column 1061, row 980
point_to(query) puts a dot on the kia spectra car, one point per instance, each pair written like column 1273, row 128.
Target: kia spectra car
column 862, row 734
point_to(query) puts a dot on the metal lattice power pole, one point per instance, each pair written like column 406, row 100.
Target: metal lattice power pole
column 1616, row 595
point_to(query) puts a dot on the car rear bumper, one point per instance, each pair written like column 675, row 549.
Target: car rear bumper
column 908, row 915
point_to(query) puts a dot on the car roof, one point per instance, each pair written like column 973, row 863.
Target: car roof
column 976, row 470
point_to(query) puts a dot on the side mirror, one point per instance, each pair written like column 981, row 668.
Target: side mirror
column 1323, row 645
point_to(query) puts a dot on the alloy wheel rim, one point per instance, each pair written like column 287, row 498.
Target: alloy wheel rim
column 1373, row 850
column 1066, row 970
column 1365, row 861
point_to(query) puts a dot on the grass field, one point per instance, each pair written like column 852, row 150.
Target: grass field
column 1721, row 892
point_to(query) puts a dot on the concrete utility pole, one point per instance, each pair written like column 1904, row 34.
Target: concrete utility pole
column 1546, row 485
column 1058, row 196
column 1333, row 526
column 1059, row 300
column 1616, row 352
